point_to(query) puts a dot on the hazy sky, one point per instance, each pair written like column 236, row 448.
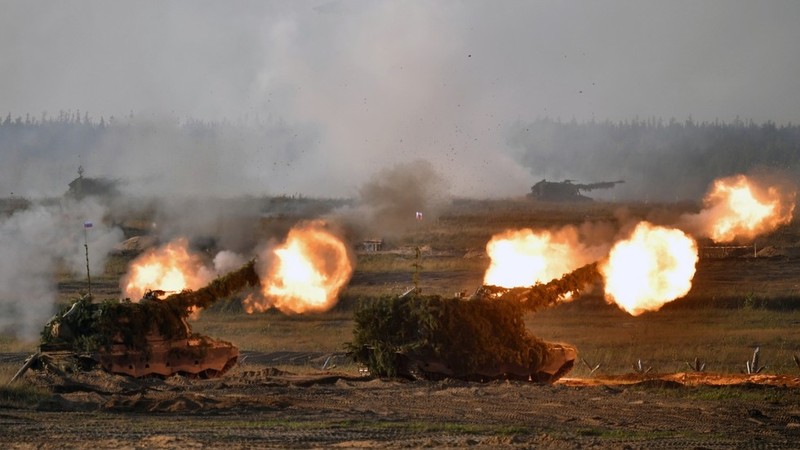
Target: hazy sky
column 344, row 91
column 381, row 82
column 603, row 59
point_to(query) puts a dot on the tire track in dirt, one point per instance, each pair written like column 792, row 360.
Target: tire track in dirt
column 266, row 407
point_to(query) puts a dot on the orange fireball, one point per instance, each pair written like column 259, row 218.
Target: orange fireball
column 526, row 257
column 170, row 268
column 304, row 274
column 652, row 267
column 738, row 207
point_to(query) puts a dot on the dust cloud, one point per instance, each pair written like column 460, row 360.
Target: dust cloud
column 396, row 199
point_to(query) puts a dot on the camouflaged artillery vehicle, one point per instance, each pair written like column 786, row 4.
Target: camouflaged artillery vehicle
column 148, row 338
column 481, row 338
column 566, row 191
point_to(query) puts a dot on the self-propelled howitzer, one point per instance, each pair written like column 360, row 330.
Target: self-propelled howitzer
column 150, row 337
column 566, row 191
column 481, row 338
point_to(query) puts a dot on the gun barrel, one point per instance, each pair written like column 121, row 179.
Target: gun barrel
column 222, row 287
column 546, row 294
column 600, row 185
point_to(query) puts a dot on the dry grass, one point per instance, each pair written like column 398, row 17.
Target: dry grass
column 12, row 344
column 469, row 224
column 393, row 262
column 721, row 336
column 7, row 370
column 274, row 331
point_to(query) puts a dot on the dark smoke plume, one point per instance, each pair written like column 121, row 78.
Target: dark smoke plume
column 389, row 202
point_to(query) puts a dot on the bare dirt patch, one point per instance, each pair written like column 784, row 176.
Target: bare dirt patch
column 260, row 406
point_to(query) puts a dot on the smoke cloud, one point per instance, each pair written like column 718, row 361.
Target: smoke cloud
column 34, row 245
column 388, row 203
column 318, row 96
column 744, row 207
column 185, row 101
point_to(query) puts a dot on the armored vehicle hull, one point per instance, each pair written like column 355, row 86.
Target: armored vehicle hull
column 148, row 338
column 566, row 191
column 204, row 358
column 558, row 360
column 482, row 338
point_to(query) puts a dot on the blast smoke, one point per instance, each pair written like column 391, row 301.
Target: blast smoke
column 743, row 207
column 35, row 244
column 389, row 201
column 330, row 95
column 230, row 224
column 227, row 261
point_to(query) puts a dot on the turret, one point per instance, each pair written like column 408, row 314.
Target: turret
column 566, row 190
column 482, row 338
column 150, row 337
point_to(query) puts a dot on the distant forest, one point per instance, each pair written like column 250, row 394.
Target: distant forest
column 39, row 156
column 659, row 160
column 663, row 161
column 71, row 133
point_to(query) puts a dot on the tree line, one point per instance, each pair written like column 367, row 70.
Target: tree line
column 660, row 160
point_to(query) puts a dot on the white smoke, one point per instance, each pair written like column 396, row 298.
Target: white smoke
column 341, row 96
column 35, row 245
column 227, row 261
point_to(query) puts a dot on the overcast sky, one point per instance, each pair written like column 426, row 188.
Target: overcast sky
column 381, row 82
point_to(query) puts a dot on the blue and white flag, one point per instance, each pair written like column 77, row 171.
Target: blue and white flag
column 87, row 224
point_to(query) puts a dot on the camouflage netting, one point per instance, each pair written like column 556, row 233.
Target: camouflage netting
column 465, row 335
column 547, row 294
column 222, row 287
column 485, row 331
column 94, row 326
column 87, row 326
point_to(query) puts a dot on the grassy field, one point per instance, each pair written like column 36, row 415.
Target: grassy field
column 736, row 305
column 724, row 339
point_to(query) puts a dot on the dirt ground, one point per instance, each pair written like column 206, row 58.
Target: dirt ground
column 285, row 400
column 258, row 406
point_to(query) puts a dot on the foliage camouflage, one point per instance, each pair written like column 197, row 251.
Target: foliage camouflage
column 95, row 326
column 466, row 335
column 547, row 294
column 222, row 287
column 485, row 331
